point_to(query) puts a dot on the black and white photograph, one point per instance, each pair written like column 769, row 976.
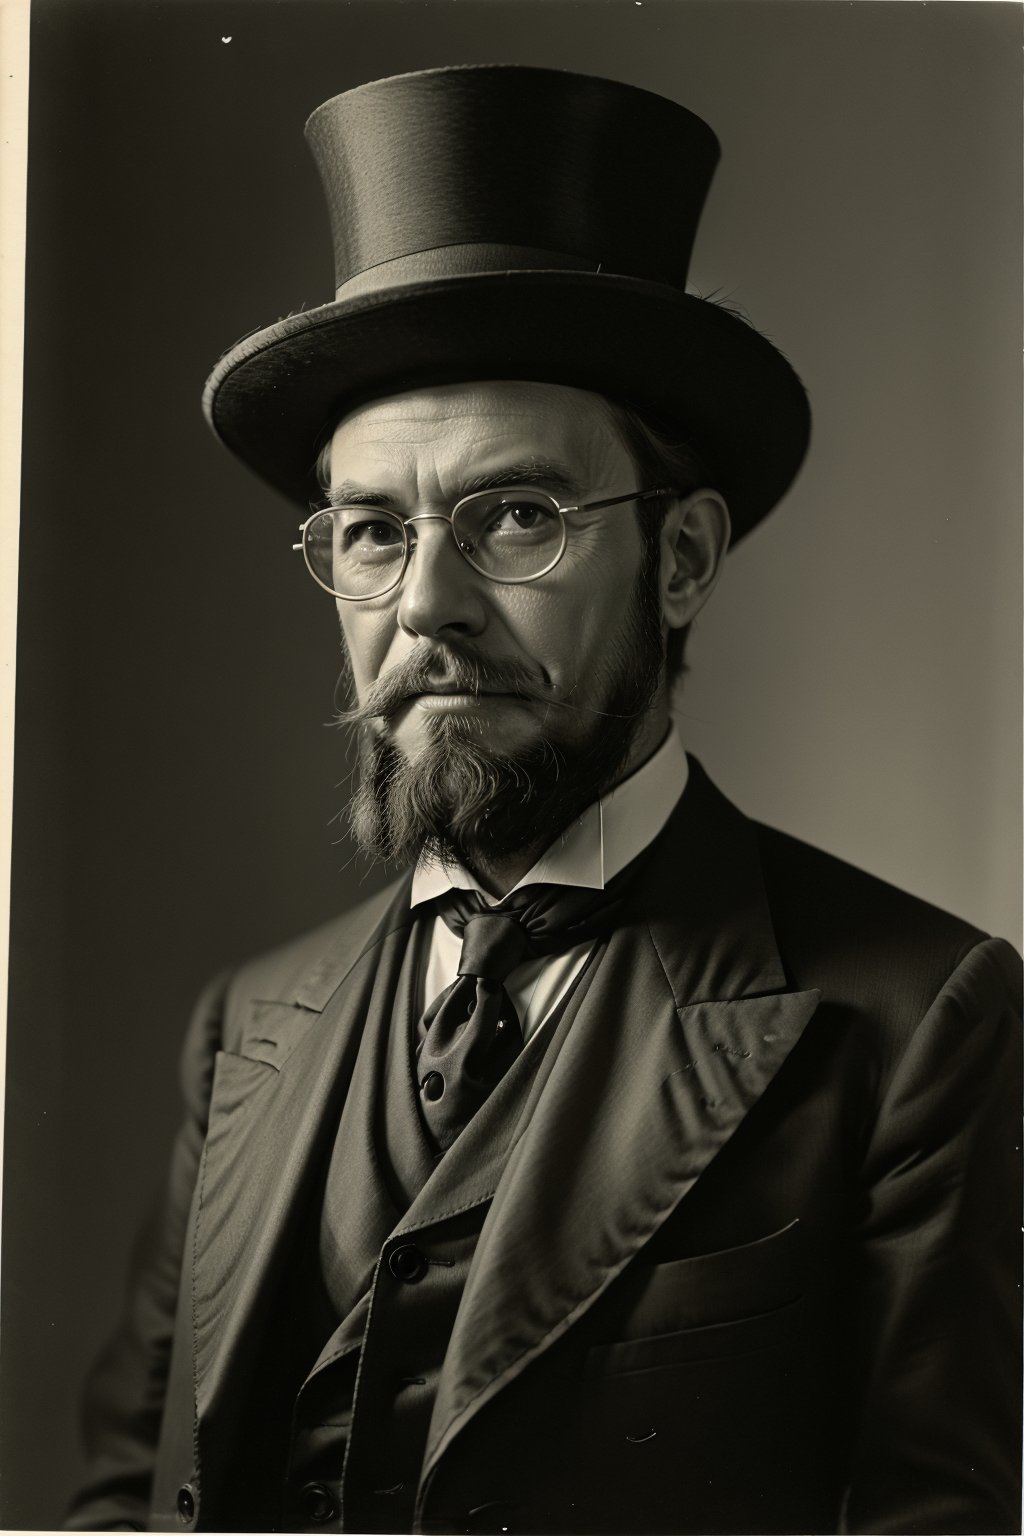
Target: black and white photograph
column 514, row 993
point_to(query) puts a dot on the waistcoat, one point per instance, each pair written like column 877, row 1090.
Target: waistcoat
column 363, row 1412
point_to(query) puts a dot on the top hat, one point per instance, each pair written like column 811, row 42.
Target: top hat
column 505, row 222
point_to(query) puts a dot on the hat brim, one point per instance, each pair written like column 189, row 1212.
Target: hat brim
column 684, row 359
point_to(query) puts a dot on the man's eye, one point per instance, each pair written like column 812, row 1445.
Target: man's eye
column 371, row 533
column 521, row 517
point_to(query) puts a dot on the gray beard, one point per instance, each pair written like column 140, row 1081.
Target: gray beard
column 462, row 800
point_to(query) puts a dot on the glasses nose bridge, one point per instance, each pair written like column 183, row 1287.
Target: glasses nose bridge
column 435, row 517
column 431, row 517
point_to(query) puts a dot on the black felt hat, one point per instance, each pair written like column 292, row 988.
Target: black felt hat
column 504, row 222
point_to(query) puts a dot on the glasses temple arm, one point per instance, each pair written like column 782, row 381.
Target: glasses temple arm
column 615, row 501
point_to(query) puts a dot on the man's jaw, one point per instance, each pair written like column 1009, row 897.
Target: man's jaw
column 468, row 789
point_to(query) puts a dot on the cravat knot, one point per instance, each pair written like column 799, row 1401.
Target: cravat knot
column 470, row 1034
column 493, row 944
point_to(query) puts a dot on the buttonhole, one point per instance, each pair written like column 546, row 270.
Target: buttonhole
column 442, row 1263
column 412, row 1381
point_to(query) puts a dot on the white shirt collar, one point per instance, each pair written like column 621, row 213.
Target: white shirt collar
column 592, row 850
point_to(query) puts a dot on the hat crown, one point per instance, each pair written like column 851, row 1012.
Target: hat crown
column 532, row 163
column 506, row 222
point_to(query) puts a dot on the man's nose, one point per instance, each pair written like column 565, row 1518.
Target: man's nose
column 440, row 591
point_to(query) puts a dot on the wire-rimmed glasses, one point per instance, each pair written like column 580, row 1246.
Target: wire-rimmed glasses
column 510, row 535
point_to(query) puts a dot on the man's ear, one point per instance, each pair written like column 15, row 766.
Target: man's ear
column 694, row 539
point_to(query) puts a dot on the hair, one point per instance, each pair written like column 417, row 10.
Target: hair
column 322, row 461
column 663, row 456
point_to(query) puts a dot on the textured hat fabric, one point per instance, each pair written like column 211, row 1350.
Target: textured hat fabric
column 505, row 222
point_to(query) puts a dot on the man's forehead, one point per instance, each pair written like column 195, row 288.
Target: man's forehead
column 476, row 416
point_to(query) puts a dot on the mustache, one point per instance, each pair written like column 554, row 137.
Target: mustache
column 457, row 670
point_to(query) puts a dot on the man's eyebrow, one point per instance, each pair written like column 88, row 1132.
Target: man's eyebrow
column 547, row 474
column 349, row 493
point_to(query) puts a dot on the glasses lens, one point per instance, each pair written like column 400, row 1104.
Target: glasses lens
column 355, row 551
column 509, row 535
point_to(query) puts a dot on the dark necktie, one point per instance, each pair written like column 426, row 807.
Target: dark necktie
column 470, row 1034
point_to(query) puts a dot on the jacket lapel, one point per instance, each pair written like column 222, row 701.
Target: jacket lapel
column 274, row 1108
column 685, row 1026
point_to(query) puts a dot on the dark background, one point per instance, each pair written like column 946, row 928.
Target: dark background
column 176, row 783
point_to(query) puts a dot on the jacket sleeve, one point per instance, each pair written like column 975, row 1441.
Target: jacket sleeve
column 937, row 1270
column 124, row 1395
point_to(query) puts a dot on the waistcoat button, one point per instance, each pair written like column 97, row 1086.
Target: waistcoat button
column 185, row 1504
column 407, row 1263
column 317, row 1503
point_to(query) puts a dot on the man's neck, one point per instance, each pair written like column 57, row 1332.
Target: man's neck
column 499, row 876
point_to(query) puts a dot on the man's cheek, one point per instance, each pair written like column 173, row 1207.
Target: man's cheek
column 367, row 652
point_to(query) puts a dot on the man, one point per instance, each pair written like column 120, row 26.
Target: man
column 626, row 1165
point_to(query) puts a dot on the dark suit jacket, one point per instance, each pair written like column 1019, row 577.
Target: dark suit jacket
column 751, row 1264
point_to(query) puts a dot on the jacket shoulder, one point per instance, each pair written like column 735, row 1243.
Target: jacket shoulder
column 886, row 962
column 297, row 971
column 856, row 933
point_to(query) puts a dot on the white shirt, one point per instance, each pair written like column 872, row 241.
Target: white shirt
column 590, row 852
